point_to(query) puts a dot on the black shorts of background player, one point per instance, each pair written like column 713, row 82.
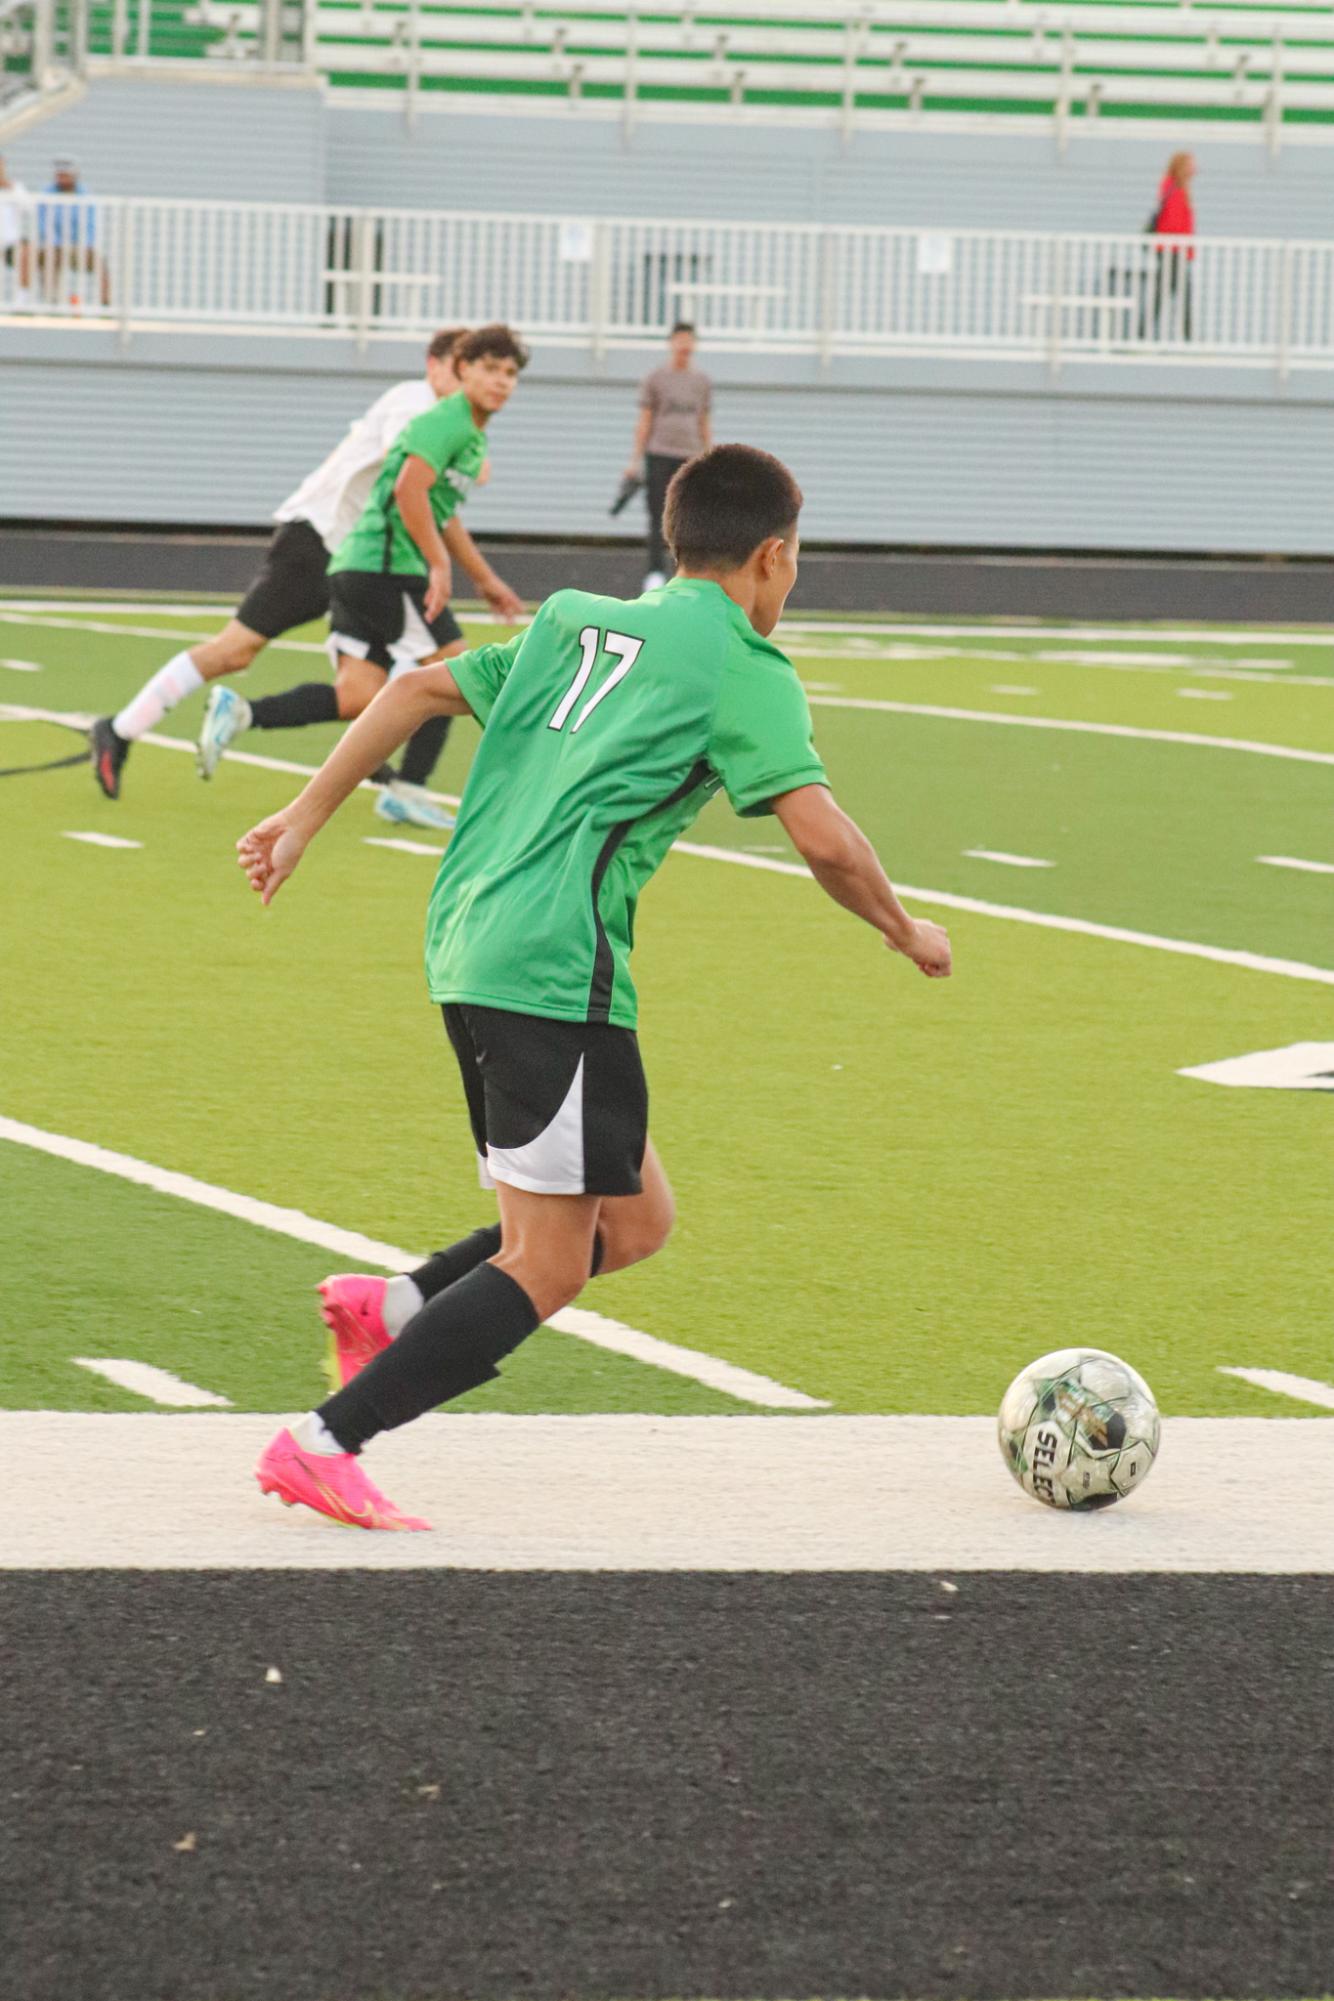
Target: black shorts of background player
column 292, row 588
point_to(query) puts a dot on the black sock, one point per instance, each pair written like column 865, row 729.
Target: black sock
column 312, row 702
column 444, row 1268
column 422, row 749
column 451, row 1346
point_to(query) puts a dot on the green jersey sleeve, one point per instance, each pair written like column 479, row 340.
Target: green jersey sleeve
column 761, row 743
column 481, row 674
column 439, row 433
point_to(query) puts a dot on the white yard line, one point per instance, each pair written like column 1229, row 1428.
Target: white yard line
column 404, row 847
column 1172, row 635
column 357, row 1249
column 1305, row 1388
column 159, row 1385
column 153, row 1491
column 1222, row 955
column 1193, row 738
column 102, row 840
column 1291, row 861
column 1010, row 861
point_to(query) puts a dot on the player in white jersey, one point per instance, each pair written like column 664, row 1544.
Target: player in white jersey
column 292, row 589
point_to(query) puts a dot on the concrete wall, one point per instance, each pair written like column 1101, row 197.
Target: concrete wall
column 189, row 431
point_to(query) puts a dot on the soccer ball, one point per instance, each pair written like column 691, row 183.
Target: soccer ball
column 1078, row 1429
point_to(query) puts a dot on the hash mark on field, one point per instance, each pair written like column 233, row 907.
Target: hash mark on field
column 744, row 1384
column 403, row 847
column 102, row 840
column 1010, row 861
column 1204, row 694
column 1305, row 1388
column 22, row 666
column 157, row 1384
column 1292, row 861
column 1009, row 688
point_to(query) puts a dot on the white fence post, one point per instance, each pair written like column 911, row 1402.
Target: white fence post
column 364, row 267
column 599, row 303
column 1056, row 308
column 1283, row 331
column 125, row 272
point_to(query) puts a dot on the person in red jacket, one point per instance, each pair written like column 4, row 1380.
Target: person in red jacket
column 1174, row 216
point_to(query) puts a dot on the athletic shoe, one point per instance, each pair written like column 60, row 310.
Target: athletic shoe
column 331, row 1484
column 411, row 806
column 352, row 1308
column 225, row 717
column 108, row 752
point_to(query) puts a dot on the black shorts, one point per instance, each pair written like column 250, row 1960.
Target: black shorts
column 293, row 587
column 381, row 618
column 557, row 1107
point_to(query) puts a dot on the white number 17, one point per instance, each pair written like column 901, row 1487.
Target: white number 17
column 624, row 650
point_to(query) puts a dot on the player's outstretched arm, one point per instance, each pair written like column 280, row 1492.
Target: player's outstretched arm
column 846, row 866
column 270, row 851
column 504, row 602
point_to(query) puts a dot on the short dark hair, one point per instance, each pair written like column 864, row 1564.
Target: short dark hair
column 442, row 347
column 684, row 326
column 723, row 504
column 496, row 341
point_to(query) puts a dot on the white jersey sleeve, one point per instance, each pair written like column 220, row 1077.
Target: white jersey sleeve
column 332, row 497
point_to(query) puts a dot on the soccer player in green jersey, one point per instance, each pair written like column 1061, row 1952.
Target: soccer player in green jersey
column 606, row 726
column 389, row 581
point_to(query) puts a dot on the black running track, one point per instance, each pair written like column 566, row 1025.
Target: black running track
column 664, row 1786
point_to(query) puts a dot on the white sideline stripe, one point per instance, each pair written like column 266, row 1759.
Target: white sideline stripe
column 102, row 840
column 22, row 666
column 168, row 609
column 1010, row 861
column 594, row 1328
column 404, row 847
column 15, row 712
column 1197, row 739
column 155, row 1491
column 1269, row 674
column 1282, row 1384
column 1292, row 969
column 1291, row 861
column 158, row 1384
column 1173, row 635
column 1222, row 955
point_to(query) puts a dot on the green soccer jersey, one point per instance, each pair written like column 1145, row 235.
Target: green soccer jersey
column 454, row 446
column 606, row 726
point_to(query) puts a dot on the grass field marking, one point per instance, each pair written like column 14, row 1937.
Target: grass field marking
column 1175, row 635
column 94, row 840
column 166, row 607
column 1009, row 861
column 1297, row 1066
column 16, row 712
column 1269, row 673
column 1203, row 695
column 1304, row 1388
column 1293, row 861
column 403, row 847
column 1012, row 688
column 1186, row 948
column 595, row 1328
column 22, row 666
column 158, row 1385
column 1192, row 738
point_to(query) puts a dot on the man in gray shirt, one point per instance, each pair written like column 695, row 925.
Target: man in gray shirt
column 674, row 424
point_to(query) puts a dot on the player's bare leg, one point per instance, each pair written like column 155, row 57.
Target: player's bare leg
column 230, row 652
column 365, row 1312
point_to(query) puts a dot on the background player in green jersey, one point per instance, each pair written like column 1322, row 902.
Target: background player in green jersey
column 605, row 728
column 390, row 579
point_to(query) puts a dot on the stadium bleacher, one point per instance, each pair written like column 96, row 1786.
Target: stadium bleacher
column 1127, row 59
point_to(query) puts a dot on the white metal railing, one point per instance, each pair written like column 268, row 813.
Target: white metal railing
column 607, row 283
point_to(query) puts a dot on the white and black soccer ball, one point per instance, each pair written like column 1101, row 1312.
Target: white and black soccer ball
column 1079, row 1429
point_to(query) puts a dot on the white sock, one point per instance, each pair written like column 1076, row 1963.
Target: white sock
column 312, row 1434
column 171, row 684
column 402, row 1298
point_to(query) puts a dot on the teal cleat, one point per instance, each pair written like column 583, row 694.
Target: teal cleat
column 411, row 806
column 225, row 717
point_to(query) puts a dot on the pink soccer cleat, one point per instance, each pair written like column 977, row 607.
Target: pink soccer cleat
column 352, row 1308
column 330, row 1484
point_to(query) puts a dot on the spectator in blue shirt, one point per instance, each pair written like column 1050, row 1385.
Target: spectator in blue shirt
column 67, row 238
